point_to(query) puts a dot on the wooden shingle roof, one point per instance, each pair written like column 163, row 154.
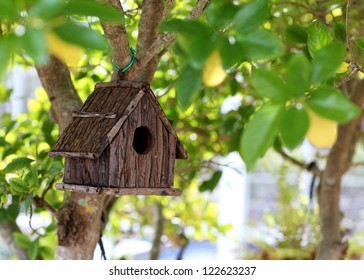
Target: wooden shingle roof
column 101, row 117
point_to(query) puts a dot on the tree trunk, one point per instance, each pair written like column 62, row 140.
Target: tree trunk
column 158, row 231
column 79, row 218
column 331, row 246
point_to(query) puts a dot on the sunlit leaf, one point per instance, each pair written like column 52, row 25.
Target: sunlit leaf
column 299, row 74
column 293, row 127
column 327, row 61
column 260, row 132
column 18, row 164
column 188, row 85
column 319, row 36
column 332, row 104
column 81, row 35
column 260, row 45
column 251, row 15
column 269, row 84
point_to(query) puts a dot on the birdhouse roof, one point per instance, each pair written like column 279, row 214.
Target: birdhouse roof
column 101, row 117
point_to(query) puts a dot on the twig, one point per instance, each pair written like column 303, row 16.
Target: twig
column 198, row 9
column 168, row 88
column 309, row 167
column 41, row 203
column 347, row 27
column 207, row 164
column 163, row 39
column 167, row 9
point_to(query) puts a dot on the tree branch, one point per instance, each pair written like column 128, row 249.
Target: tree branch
column 198, row 9
column 150, row 18
column 163, row 39
column 118, row 38
column 56, row 80
column 309, row 167
column 167, row 9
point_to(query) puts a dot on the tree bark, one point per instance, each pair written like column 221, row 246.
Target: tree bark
column 158, row 231
column 331, row 246
column 79, row 218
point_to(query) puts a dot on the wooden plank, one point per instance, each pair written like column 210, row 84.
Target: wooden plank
column 103, row 115
column 159, row 152
column 134, row 102
column 119, row 191
column 114, row 156
column 67, row 170
column 104, row 167
column 123, row 83
column 165, row 161
column 171, row 158
column 73, row 154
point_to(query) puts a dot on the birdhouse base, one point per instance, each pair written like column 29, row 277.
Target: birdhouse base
column 119, row 191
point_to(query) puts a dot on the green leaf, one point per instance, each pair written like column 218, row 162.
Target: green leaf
column 260, row 132
column 231, row 54
column 318, row 37
column 35, row 44
column 18, row 186
column 332, row 104
column 360, row 44
column 296, row 34
column 219, row 14
column 21, row 240
column 81, row 35
column 188, row 85
column 293, row 127
column 8, row 10
column 340, row 32
column 93, row 8
column 33, row 250
column 17, row 164
column 327, row 61
column 28, row 202
column 7, row 46
column 194, row 37
column 251, row 15
column 46, row 253
column 299, row 74
column 211, row 184
column 47, row 9
column 260, row 45
column 269, row 84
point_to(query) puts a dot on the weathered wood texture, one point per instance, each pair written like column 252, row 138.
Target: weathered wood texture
column 119, row 191
column 84, row 171
column 130, row 169
column 88, row 137
column 104, row 151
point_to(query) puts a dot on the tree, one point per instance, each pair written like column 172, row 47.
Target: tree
column 294, row 65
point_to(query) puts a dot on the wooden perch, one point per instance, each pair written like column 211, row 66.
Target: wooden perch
column 81, row 114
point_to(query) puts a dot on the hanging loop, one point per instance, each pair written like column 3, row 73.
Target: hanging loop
column 122, row 71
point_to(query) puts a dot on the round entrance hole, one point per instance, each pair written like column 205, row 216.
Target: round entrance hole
column 143, row 140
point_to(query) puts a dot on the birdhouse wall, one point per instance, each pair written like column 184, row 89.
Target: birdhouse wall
column 152, row 167
column 89, row 172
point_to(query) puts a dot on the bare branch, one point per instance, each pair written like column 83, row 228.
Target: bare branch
column 347, row 27
column 118, row 38
column 163, row 39
column 198, row 9
column 309, row 167
column 167, row 9
column 56, row 80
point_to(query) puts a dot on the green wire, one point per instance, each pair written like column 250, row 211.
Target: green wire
column 130, row 63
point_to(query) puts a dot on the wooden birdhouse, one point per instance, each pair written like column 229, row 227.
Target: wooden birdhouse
column 120, row 143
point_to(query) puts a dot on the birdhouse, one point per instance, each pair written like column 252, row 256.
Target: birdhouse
column 120, row 143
